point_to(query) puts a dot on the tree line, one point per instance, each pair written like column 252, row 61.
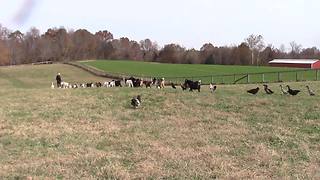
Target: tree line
column 58, row 44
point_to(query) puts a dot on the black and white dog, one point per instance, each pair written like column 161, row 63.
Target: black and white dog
column 136, row 101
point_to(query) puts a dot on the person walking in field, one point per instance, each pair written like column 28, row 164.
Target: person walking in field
column 58, row 78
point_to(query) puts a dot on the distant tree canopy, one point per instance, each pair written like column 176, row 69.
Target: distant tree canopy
column 58, row 44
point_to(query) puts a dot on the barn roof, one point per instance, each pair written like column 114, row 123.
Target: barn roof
column 294, row 61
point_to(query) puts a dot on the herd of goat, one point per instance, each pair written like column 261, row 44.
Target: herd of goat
column 160, row 83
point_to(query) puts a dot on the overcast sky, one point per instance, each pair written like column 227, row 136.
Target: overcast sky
column 190, row 23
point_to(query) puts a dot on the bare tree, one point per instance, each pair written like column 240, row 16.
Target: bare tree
column 295, row 49
column 256, row 45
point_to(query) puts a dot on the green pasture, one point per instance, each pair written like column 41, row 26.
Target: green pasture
column 220, row 74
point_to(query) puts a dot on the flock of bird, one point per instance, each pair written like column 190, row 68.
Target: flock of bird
column 136, row 101
column 290, row 91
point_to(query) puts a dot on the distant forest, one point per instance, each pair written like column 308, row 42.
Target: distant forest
column 58, row 44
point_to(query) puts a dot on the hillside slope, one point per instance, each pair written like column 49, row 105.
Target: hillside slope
column 95, row 134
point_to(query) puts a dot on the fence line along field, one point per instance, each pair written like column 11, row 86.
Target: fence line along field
column 219, row 74
column 94, row 133
column 175, row 70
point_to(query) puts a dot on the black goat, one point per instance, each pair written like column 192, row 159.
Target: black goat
column 193, row 85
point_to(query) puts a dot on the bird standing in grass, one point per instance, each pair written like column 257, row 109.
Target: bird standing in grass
column 173, row 86
column 212, row 88
column 283, row 91
column 253, row 91
column 311, row 93
column 267, row 90
column 136, row 101
column 292, row 92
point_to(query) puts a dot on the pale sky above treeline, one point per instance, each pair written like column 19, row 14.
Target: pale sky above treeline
column 190, row 23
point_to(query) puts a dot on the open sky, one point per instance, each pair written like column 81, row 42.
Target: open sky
column 190, row 23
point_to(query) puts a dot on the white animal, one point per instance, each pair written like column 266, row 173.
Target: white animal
column 129, row 83
column 112, row 83
column 52, row 86
column 162, row 83
column 64, row 85
column 212, row 87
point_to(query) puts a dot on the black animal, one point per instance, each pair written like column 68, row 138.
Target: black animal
column 173, row 86
column 267, row 90
column 154, row 80
column 117, row 83
column 292, row 92
column 147, row 84
column 136, row 101
column 136, row 82
column 193, row 85
column 98, row 84
column 89, row 85
column 253, row 91
column 311, row 93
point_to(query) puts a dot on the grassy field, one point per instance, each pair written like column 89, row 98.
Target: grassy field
column 95, row 134
column 207, row 73
column 175, row 70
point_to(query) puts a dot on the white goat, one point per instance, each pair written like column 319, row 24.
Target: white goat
column 64, row 85
column 129, row 83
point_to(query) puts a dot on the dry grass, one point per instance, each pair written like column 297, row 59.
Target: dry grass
column 95, row 134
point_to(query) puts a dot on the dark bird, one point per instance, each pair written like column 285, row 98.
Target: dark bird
column 311, row 93
column 173, row 86
column 136, row 101
column 253, row 91
column 183, row 87
column 267, row 90
column 292, row 92
column 282, row 90
column 212, row 88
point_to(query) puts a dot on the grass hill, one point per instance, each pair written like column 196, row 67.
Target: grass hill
column 95, row 134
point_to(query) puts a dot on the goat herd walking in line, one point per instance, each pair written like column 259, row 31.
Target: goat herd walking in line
column 160, row 83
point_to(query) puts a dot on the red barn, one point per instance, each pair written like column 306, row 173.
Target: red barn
column 296, row 63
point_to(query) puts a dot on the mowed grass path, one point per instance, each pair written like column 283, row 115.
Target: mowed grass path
column 151, row 69
column 95, row 134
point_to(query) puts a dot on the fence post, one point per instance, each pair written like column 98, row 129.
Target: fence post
column 263, row 78
column 248, row 78
column 279, row 77
column 296, row 76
